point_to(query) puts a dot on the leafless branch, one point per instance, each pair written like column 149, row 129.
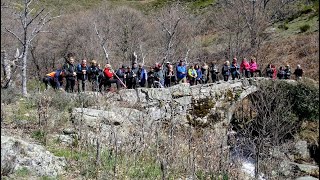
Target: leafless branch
column 102, row 42
column 14, row 34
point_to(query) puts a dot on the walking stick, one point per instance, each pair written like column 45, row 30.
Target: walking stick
column 120, row 80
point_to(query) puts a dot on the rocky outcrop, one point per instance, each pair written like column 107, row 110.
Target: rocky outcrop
column 204, row 105
column 17, row 154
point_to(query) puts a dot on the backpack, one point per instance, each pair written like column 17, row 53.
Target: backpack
column 225, row 68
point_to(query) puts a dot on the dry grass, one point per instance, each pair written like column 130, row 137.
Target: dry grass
column 298, row 49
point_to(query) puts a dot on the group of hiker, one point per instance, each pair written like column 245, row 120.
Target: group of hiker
column 158, row 76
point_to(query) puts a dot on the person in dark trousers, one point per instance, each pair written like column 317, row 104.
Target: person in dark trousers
column 298, row 72
column 226, row 71
column 287, row 72
column 166, row 73
column 108, row 78
column 158, row 75
column 142, row 76
column 93, row 75
column 235, row 69
column 205, row 73
column 244, row 68
column 121, row 73
column 135, row 71
column 269, row 71
column 214, row 72
column 151, row 77
column 55, row 79
column 69, row 70
column 199, row 74
column 82, row 75
column 281, row 73
column 130, row 79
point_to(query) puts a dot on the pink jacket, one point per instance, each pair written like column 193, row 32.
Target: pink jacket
column 253, row 66
column 244, row 65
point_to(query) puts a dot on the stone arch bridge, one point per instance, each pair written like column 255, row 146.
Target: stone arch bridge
column 205, row 105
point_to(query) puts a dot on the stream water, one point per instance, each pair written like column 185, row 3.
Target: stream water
column 243, row 156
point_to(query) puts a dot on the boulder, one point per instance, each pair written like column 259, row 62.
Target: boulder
column 128, row 95
column 17, row 154
column 301, row 150
column 306, row 178
column 309, row 169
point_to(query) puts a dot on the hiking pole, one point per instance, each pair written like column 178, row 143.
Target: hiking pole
column 120, row 80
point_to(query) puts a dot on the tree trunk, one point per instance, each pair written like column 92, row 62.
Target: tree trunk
column 6, row 70
column 24, row 71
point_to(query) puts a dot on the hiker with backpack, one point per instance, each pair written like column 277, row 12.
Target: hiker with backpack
column 121, row 73
column 170, row 78
column 281, row 73
column 181, row 72
column 82, row 74
column 214, row 72
column 199, row 74
column 130, row 78
column 226, row 70
column 69, row 70
column 150, row 77
column 142, row 75
column 108, row 78
column 298, row 72
column 93, row 75
column 166, row 72
column 55, row 79
column 269, row 71
column 158, row 76
column 192, row 75
column 135, row 69
column 205, row 73
column 245, row 68
column 287, row 72
column 234, row 69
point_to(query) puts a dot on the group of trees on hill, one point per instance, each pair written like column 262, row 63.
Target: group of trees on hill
column 112, row 34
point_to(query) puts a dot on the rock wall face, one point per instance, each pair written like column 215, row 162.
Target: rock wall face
column 17, row 154
column 206, row 106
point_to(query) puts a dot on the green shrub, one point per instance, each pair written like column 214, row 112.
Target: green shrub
column 306, row 100
column 283, row 26
column 304, row 28
column 38, row 135
column 23, row 172
column 306, row 10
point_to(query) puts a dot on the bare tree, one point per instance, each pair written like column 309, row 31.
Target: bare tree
column 271, row 124
column 128, row 29
column 32, row 23
column 6, row 66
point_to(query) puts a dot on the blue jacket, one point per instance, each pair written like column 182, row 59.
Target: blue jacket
column 56, row 78
column 199, row 74
column 143, row 75
column 79, row 72
column 234, row 69
column 180, row 70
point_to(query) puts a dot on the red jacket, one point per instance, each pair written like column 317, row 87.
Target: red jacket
column 107, row 72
